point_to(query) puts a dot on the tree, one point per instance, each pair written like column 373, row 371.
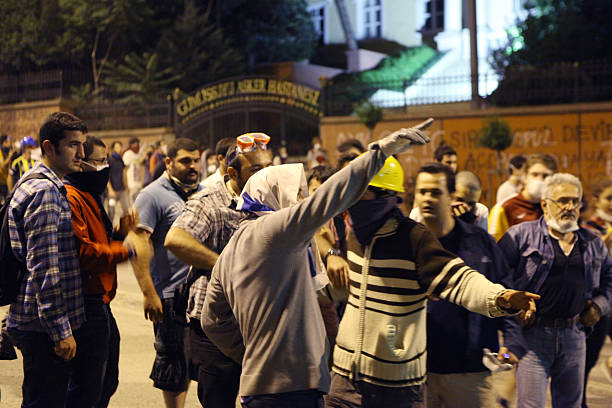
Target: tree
column 102, row 30
column 557, row 31
column 496, row 135
column 139, row 78
column 369, row 114
column 197, row 51
column 269, row 30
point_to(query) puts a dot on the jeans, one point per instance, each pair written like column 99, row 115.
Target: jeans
column 89, row 365
column 296, row 399
column 345, row 393
column 594, row 344
column 218, row 376
column 45, row 374
column 558, row 354
column 111, row 375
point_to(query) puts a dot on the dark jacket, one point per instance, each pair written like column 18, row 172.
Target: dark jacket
column 529, row 251
column 471, row 332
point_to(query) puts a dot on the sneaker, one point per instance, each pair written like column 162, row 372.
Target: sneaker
column 607, row 370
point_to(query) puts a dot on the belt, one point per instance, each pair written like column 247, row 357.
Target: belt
column 557, row 322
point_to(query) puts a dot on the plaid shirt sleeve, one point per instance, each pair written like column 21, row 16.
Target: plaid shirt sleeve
column 195, row 220
column 44, row 290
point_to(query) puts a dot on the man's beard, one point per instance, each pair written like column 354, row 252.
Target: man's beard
column 562, row 227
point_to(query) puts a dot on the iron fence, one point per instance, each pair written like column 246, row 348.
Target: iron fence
column 561, row 83
column 108, row 115
column 31, row 86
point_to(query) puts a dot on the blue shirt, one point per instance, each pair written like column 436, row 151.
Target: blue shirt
column 528, row 248
column 159, row 205
column 50, row 298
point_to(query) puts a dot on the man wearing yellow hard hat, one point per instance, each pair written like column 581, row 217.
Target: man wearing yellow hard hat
column 395, row 263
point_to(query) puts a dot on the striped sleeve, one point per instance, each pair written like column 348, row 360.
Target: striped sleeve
column 448, row 277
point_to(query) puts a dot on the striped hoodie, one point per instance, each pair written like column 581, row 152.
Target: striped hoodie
column 382, row 336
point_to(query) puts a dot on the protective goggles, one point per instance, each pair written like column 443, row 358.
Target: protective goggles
column 249, row 142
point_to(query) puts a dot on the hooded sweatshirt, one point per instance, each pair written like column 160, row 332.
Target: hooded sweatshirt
column 263, row 278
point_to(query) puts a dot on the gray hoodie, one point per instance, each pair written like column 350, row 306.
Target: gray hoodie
column 263, row 279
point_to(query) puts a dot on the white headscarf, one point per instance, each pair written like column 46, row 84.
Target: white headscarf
column 273, row 188
column 277, row 187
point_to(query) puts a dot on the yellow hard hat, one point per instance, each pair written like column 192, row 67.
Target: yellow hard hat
column 390, row 177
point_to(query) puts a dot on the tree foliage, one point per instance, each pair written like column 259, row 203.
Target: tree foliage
column 558, row 31
column 369, row 114
column 269, row 30
column 197, row 50
column 198, row 41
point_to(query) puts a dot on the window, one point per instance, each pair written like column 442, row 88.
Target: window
column 434, row 15
column 317, row 15
column 372, row 18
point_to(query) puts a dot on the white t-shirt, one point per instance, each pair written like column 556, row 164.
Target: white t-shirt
column 506, row 190
column 482, row 215
column 133, row 170
column 212, row 180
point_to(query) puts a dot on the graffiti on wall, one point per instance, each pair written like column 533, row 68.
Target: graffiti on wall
column 581, row 143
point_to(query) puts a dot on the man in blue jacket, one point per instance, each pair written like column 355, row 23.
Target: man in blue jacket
column 571, row 269
column 456, row 375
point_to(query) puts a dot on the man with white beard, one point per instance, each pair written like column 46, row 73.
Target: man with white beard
column 569, row 267
column 524, row 206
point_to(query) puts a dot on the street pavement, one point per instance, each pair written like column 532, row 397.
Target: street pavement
column 137, row 354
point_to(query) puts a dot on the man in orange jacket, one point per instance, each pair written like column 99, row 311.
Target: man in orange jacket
column 100, row 250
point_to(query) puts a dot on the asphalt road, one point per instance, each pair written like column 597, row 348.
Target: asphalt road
column 137, row 354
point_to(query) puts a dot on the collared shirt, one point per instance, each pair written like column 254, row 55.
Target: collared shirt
column 208, row 218
column 159, row 205
column 50, row 298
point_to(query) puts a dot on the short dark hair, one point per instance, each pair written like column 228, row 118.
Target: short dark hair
column 320, row 173
column 443, row 150
column 439, row 168
column 544, row 159
column 134, row 140
column 223, row 145
column 345, row 158
column 181, row 143
column 232, row 158
column 54, row 126
column 116, row 142
column 3, row 138
column 351, row 143
column 516, row 163
column 90, row 142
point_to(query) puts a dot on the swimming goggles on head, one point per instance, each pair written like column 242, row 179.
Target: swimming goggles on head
column 249, row 142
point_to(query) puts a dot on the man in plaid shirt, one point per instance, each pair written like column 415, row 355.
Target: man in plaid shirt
column 196, row 238
column 44, row 319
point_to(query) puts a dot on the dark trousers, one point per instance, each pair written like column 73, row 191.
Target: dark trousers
column 345, row 393
column 297, row 399
column 48, row 380
column 594, row 344
column 111, row 375
column 89, row 365
column 218, row 376
column 45, row 375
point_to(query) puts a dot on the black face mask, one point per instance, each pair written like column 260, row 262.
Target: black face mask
column 93, row 182
column 369, row 216
column 469, row 217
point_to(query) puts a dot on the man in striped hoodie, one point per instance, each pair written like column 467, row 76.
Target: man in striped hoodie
column 395, row 264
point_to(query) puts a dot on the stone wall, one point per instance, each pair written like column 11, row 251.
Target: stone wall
column 24, row 119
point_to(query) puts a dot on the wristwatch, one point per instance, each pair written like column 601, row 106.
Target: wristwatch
column 332, row 251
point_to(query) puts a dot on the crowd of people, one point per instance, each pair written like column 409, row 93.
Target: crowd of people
column 274, row 287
